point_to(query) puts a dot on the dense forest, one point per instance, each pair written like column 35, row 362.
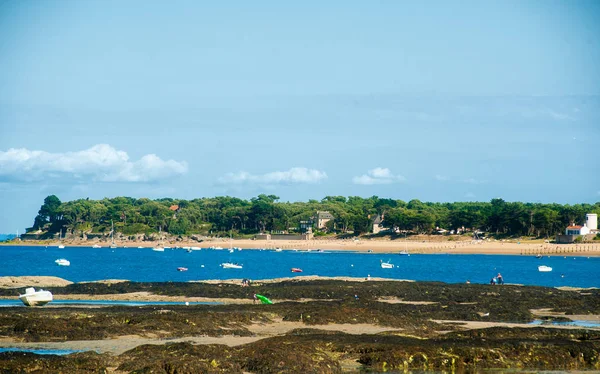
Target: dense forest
column 220, row 216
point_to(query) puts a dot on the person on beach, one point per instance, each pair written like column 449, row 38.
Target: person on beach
column 254, row 299
column 500, row 279
column 493, row 281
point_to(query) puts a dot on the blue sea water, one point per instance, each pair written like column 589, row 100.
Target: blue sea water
column 145, row 265
column 59, row 352
column 58, row 302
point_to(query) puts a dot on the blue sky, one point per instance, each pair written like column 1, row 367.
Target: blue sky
column 434, row 100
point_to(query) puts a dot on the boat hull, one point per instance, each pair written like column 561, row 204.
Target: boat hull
column 38, row 298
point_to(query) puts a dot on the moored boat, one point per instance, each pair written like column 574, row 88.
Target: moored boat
column 181, row 268
column 544, row 268
column 296, row 270
column 231, row 265
column 386, row 265
column 31, row 297
column 158, row 249
column 62, row 262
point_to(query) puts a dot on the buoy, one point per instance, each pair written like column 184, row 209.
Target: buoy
column 187, row 303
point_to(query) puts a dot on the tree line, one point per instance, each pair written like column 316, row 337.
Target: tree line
column 265, row 213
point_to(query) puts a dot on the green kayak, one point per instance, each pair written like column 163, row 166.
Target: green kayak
column 263, row 299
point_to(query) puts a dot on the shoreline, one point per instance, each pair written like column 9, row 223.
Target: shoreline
column 384, row 246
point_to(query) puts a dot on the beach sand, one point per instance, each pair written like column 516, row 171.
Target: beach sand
column 420, row 244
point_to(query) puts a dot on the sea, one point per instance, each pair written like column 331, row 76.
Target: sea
column 146, row 265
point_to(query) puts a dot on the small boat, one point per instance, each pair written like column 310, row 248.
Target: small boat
column 63, row 262
column 60, row 246
column 231, row 265
column 538, row 256
column 386, row 265
column 195, row 248
column 31, row 297
column 181, row 268
column 544, row 268
column 139, row 246
column 404, row 253
column 278, row 249
column 158, row 249
column 230, row 250
column 296, row 270
column 96, row 246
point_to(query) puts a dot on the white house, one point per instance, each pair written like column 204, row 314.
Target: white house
column 577, row 230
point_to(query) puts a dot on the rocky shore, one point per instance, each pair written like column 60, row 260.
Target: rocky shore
column 314, row 326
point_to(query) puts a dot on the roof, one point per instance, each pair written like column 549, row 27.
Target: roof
column 574, row 227
column 377, row 220
column 324, row 215
column 174, row 207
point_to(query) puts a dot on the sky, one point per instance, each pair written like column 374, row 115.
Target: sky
column 429, row 100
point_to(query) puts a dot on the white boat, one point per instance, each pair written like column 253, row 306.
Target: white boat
column 158, row 249
column 112, row 235
column 31, row 297
column 63, row 262
column 195, row 248
column 544, row 268
column 96, row 246
column 386, row 265
column 231, row 265
column 60, row 245
column 404, row 253
column 278, row 249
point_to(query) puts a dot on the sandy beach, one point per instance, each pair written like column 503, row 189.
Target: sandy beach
column 425, row 244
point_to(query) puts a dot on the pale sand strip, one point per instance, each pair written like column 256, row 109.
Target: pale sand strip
column 475, row 325
column 261, row 331
column 425, row 244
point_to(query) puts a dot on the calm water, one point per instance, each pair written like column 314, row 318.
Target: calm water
column 143, row 265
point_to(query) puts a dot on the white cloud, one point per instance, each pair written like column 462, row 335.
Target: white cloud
column 293, row 175
column 442, row 178
column 378, row 176
column 100, row 163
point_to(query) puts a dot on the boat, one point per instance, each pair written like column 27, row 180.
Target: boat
column 60, row 245
column 538, row 256
column 263, row 299
column 96, row 246
column 544, row 268
column 195, row 248
column 158, row 249
column 231, row 265
column 296, row 270
column 386, row 265
column 63, row 262
column 181, row 268
column 404, row 253
column 31, row 297
column 112, row 235
column 278, row 249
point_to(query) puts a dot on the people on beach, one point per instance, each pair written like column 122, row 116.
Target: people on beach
column 500, row 279
column 493, row 281
column 468, row 281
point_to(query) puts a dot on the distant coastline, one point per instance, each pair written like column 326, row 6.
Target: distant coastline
column 424, row 246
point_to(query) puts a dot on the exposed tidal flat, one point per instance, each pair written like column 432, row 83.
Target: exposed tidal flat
column 314, row 326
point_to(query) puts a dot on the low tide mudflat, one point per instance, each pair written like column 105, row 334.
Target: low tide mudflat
column 320, row 326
